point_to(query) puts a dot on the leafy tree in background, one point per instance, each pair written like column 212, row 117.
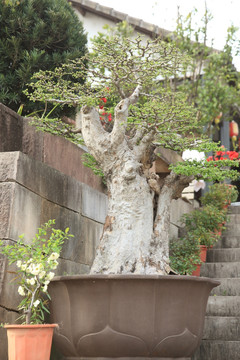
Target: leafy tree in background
column 35, row 35
column 210, row 79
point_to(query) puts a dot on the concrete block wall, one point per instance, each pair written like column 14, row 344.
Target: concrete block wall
column 16, row 134
column 31, row 193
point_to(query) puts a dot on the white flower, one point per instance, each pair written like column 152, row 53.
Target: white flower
column 53, row 256
column 19, row 263
column 21, row 291
column 192, row 155
column 50, row 276
column 24, row 267
column 46, row 282
column 54, row 264
column 36, row 303
column 31, row 281
column 42, row 274
column 34, row 269
column 198, row 184
column 44, row 288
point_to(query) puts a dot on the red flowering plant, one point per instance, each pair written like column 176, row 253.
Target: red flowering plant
column 223, row 155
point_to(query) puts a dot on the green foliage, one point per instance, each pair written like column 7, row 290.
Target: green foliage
column 208, row 171
column 35, row 35
column 90, row 162
column 220, row 195
column 35, row 262
column 202, row 227
column 184, row 254
column 210, row 78
column 204, row 224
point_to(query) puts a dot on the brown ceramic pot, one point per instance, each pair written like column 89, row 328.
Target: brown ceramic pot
column 129, row 316
column 29, row 342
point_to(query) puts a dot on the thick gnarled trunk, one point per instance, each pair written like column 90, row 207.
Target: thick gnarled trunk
column 136, row 231
column 127, row 244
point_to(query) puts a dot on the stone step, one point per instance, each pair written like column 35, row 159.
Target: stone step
column 233, row 219
column 223, row 306
column 222, row 328
column 223, row 255
column 218, row 350
column 234, row 209
column 232, row 229
column 228, row 241
column 221, row 270
column 228, row 287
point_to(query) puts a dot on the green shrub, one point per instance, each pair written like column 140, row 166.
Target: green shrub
column 205, row 224
column 220, row 195
column 184, row 254
column 35, row 35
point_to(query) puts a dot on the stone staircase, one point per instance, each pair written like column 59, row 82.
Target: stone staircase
column 221, row 338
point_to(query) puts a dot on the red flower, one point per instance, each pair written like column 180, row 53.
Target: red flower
column 110, row 117
column 104, row 100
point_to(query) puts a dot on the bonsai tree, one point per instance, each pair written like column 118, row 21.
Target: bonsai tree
column 35, row 35
column 129, row 80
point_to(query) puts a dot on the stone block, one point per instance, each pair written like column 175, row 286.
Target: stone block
column 67, row 158
column 7, row 191
column 218, row 350
column 11, row 130
column 68, row 267
column 221, row 328
column 49, row 183
column 223, row 255
column 221, row 270
column 91, row 234
column 228, row 241
column 223, row 306
column 25, row 213
column 8, row 165
column 16, row 134
column 228, row 286
column 32, row 141
column 9, row 297
column 94, row 204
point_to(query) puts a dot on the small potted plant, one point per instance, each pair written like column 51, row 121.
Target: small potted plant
column 185, row 255
column 205, row 224
column 220, row 195
column 35, row 263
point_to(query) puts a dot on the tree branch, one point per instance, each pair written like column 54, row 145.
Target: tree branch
column 95, row 137
column 121, row 115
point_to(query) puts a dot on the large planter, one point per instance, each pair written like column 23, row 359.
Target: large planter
column 129, row 316
column 29, row 342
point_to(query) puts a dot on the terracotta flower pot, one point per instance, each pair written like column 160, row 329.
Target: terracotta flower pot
column 197, row 271
column 203, row 253
column 30, row 342
column 129, row 316
column 203, row 257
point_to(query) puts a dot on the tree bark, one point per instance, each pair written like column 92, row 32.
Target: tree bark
column 135, row 234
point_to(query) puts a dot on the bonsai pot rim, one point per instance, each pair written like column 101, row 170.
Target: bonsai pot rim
column 134, row 277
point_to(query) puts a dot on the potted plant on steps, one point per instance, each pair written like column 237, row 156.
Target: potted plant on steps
column 118, row 310
column 32, row 339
